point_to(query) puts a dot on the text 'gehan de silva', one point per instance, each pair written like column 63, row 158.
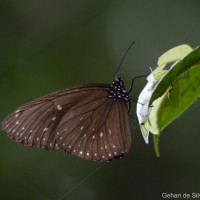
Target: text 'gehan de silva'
column 193, row 195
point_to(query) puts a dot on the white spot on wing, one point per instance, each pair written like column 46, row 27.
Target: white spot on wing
column 80, row 152
column 54, row 118
column 87, row 153
column 81, row 127
column 17, row 122
column 59, row 107
column 45, row 129
column 101, row 134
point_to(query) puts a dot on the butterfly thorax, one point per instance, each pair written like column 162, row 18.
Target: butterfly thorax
column 117, row 91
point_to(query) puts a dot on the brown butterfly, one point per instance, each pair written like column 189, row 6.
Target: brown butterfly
column 89, row 121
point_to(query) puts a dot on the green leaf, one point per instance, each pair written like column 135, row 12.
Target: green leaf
column 173, row 55
column 182, row 77
column 185, row 91
column 143, row 108
column 172, row 91
column 176, row 69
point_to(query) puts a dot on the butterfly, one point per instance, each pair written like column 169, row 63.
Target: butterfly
column 89, row 121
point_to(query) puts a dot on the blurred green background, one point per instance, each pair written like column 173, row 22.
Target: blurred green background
column 48, row 45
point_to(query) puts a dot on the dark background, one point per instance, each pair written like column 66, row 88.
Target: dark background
column 48, row 45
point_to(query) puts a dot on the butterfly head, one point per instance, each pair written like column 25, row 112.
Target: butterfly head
column 117, row 91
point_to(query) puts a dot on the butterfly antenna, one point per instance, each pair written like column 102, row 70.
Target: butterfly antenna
column 82, row 181
column 122, row 60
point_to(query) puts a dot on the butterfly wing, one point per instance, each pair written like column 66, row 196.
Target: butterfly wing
column 81, row 120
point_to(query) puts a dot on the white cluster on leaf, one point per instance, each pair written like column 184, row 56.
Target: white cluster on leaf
column 144, row 109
